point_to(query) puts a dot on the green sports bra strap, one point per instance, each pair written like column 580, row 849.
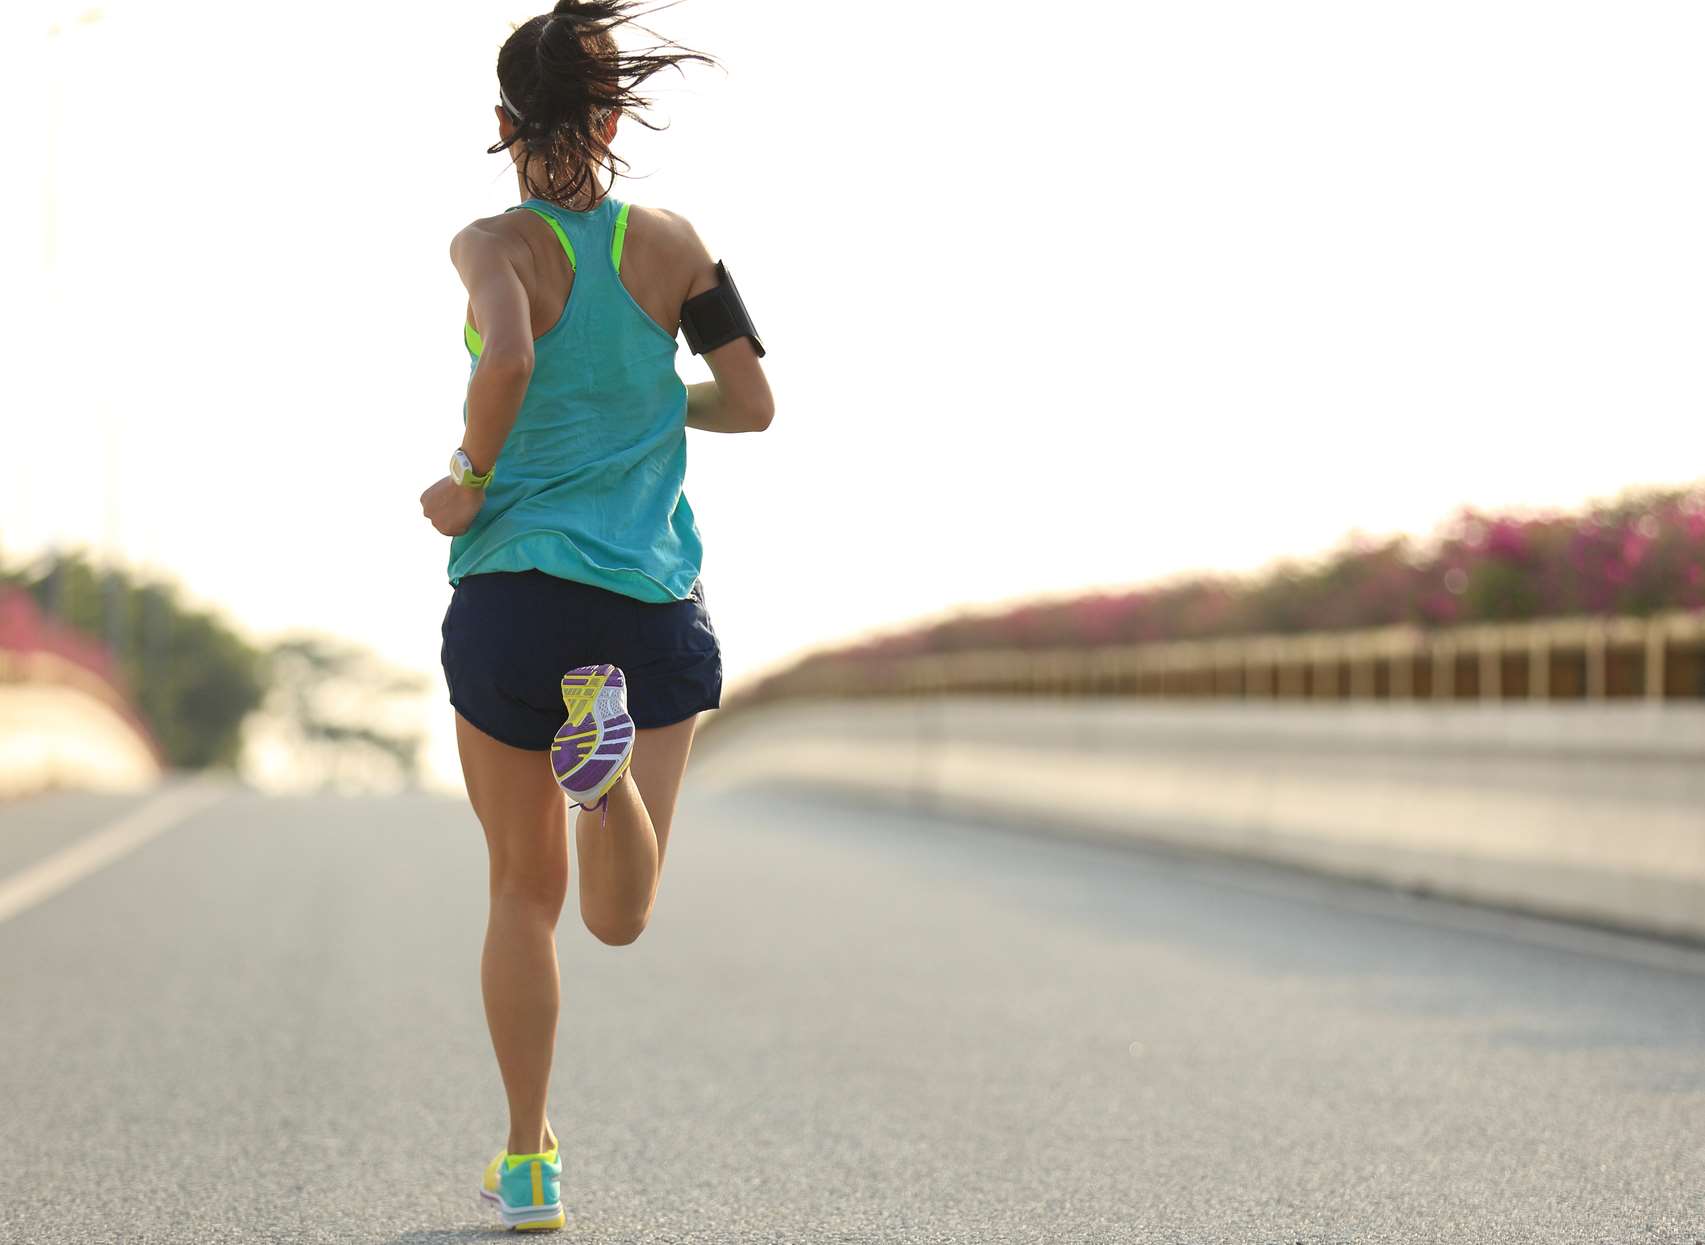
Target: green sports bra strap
column 556, row 228
column 621, row 231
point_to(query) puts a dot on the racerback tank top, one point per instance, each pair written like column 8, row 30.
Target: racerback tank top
column 588, row 485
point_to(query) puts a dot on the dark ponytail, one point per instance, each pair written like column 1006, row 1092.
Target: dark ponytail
column 561, row 74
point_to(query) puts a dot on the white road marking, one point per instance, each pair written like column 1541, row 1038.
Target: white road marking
column 93, row 851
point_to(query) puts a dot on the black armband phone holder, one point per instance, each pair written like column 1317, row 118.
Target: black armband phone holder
column 717, row 316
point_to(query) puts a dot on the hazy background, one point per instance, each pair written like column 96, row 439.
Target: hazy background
column 1050, row 302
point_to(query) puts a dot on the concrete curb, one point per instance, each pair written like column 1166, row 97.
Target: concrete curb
column 1592, row 813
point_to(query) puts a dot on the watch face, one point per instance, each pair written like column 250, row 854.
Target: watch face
column 458, row 466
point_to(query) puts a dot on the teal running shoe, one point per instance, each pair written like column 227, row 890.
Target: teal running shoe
column 526, row 1189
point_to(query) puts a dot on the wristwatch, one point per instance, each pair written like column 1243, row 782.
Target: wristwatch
column 462, row 471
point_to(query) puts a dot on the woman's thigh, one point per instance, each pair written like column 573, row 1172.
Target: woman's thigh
column 523, row 813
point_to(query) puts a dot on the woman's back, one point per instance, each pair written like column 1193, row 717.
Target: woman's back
column 656, row 265
column 590, row 481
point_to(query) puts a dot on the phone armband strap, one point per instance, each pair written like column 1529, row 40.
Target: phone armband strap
column 717, row 316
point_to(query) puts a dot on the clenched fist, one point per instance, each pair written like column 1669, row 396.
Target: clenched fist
column 450, row 507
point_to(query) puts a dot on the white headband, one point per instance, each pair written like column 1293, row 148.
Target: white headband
column 603, row 113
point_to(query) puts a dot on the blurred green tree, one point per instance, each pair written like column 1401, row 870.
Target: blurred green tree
column 201, row 687
column 193, row 679
column 339, row 716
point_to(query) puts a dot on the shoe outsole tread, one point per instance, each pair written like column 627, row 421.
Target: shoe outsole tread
column 594, row 745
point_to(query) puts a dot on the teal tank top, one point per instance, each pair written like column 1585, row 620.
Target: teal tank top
column 588, row 485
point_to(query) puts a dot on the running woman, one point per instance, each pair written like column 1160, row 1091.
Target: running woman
column 577, row 648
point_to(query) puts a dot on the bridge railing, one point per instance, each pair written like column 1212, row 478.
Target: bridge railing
column 1657, row 658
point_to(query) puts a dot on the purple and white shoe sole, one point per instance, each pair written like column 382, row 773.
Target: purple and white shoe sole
column 596, row 741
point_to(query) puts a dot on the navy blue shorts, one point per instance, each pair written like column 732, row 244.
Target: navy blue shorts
column 510, row 636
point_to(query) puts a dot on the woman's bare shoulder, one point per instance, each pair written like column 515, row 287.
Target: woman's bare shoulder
column 501, row 230
column 680, row 252
column 673, row 231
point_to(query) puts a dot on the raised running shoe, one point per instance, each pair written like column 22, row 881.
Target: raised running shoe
column 593, row 748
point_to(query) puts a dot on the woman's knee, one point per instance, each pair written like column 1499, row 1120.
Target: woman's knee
column 539, row 886
column 614, row 930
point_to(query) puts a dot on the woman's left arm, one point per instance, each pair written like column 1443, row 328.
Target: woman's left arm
column 488, row 261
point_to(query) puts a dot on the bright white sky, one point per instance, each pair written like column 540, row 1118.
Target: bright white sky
column 1049, row 304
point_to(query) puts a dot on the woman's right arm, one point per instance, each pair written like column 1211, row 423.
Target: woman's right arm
column 739, row 399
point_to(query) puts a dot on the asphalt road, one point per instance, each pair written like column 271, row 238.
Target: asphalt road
column 846, row 1024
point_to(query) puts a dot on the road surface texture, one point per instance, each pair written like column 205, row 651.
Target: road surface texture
column 845, row 1024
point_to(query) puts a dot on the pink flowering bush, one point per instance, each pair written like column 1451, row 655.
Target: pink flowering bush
column 1637, row 555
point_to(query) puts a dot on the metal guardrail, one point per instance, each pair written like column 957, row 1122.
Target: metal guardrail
column 1588, row 659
